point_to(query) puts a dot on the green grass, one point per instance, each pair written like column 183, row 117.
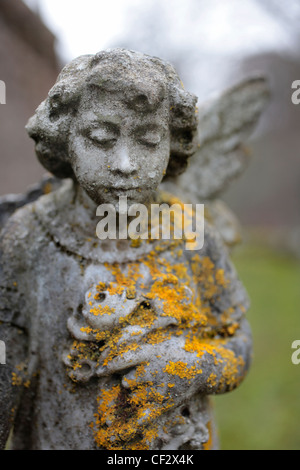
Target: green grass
column 264, row 412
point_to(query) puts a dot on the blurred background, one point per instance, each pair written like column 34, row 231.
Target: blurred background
column 213, row 44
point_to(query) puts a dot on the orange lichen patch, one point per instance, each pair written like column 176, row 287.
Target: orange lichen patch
column 212, row 380
column 143, row 316
column 136, row 333
column 209, row 443
column 141, row 369
column 226, row 326
column 136, row 243
column 12, row 414
column 203, row 270
column 109, row 340
column 82, row 351
column 122, row 279
column 115, row 289
column 118, row 422
column 231, row 329
column 21, row 367
column 19, row 378
column 181, row 271
column 212, row 284
column 47, row 188
column 101, row 286
column 27, row 384
column 201, row 347
column 231, row 365
column 205, row 276
column 226, row 315
column 175, row 301
column 126, row 419
column 98, row 335
column 120, row 351
column 181, row 369
column 158, row 336
column 99, row 310
column 86, row 330
column 16, row 380
column 220, row 278
column 131, row 292
column 242, row 308
column 154, row 269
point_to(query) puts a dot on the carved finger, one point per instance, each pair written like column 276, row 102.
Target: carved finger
column 134, row 354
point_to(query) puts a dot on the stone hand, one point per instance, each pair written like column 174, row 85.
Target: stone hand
column 170, row 372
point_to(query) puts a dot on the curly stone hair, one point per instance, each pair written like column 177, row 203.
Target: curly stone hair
column 124, row 72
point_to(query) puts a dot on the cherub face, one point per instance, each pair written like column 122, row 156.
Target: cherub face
column 116, row 150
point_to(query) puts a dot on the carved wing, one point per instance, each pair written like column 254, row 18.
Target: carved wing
column 225, row 122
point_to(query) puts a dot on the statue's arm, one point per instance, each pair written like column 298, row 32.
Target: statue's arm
column 13, row 324
column 212, row 357
column 12, row 376
column 224, row 362
column 224, row 345
column 189, row 363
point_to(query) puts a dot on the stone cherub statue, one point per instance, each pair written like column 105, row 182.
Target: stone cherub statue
column 114, row 344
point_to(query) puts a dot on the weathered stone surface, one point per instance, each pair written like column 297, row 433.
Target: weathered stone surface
column 114, row 344
column 11, row 202
column 223, row 219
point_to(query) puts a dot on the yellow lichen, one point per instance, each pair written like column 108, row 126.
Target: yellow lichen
column 99, row 310
column 186, row 293
column 182, row 370
column 16, row 380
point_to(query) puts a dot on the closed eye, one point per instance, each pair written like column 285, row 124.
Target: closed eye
column 151, row 139
column 103, row 137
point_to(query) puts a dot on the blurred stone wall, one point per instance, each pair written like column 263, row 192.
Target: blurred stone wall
column 29, row 67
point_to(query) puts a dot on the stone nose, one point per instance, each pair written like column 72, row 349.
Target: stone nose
column 124, row 163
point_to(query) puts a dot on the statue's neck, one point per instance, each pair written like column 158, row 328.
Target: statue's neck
column 86, row 209
column 84, row 205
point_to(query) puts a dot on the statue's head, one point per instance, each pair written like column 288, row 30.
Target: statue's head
column 116, row 122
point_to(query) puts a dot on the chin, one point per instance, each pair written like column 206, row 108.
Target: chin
column 112, row 196
column 134, row 196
